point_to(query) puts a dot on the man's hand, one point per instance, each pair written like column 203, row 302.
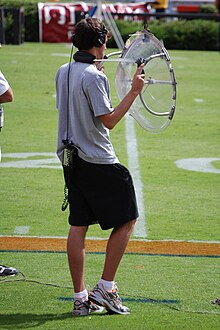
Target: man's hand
column 138, row 80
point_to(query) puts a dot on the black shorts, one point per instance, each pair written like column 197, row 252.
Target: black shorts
column 99, row 193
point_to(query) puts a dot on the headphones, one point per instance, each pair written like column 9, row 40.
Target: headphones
column 98, row 40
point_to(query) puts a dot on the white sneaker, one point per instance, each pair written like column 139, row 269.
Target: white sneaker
column 84, row 308
column 110, row 300
column 216, row 301
column 8, row 271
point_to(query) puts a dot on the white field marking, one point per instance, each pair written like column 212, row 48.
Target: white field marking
column 22, row 230
column 133, row 164
column 198, row 164
column 105, row 239
column 60, row 54
column 50, row 160
column 199, row 100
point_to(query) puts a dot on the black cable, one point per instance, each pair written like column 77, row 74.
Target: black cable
column 176, row 308
column 151, row 300
column 68, row 92
column 24, row 279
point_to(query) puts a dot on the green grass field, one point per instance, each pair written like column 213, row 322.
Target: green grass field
column 162, row 292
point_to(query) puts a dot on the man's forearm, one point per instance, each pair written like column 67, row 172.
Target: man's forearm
column 111, row 119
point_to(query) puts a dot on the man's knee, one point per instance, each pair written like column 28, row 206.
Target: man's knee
column 129, row 225
column 133, row 222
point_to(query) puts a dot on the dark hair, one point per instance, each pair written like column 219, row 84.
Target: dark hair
column 89, row 32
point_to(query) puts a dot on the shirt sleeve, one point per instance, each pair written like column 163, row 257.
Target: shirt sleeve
column 4, row 85
column 98, row 96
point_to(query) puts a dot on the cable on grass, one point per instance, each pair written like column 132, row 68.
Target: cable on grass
column 24, row 279
column 151, row 300
column 175, row 308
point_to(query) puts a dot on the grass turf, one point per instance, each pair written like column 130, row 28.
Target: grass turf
column 179, row 204
column 175, row 199
column 162, row 292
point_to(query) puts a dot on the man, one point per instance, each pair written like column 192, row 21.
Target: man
column 100, row 189
column 6, row 95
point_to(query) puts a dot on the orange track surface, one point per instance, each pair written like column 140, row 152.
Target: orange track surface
column 10, row 243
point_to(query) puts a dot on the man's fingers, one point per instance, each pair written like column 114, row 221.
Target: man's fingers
column 140, row 68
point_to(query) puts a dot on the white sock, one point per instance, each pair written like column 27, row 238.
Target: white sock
column 108, row 285
column 83, row 295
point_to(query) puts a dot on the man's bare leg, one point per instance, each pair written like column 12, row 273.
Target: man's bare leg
column 105, row 292
column 76, row 256
column 115, row 249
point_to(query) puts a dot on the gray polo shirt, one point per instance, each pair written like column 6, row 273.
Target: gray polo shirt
column 89, row 97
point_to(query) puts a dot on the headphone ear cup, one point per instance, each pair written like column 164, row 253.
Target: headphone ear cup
column 99, row 39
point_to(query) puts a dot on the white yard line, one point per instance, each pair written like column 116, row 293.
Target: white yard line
column 22, row 230
column 133, row 165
